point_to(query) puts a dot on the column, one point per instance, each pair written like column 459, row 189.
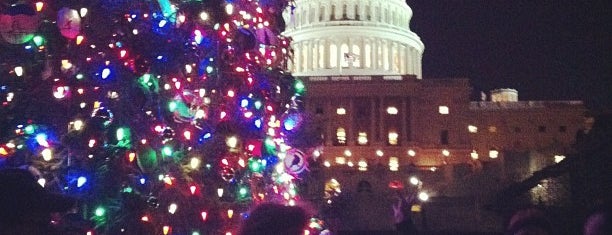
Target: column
column 390, row 55
column 308, row 49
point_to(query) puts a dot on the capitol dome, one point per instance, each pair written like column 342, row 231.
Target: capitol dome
column 353, row 37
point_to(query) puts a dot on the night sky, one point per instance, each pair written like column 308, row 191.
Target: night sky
column 546, row 49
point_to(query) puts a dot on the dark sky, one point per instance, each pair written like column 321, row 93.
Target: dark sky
column 546, row 49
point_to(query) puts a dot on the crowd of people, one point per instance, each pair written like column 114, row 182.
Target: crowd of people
column 27, row 208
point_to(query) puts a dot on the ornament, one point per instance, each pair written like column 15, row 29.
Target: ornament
column 167, row 134
column 147, row 160
column 245, row 40
column 153, row 202
column 18, row 23
column 102, row 116
column 188, row 107
column 141, row 66
column 227, row 173
column 266, row 36
column 69, row 22
column 295, row 162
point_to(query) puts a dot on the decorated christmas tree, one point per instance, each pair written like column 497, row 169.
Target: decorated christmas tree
column 161, row 117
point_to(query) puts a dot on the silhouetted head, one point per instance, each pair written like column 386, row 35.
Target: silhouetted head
column 599, row 222
column 529, row 222
column 25, row 206
column 273, row 219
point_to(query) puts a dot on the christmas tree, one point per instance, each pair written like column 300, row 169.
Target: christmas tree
column 161, row 117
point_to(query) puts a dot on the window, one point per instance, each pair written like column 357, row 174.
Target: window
column 321, row 56
column 333, row 56
column 445, row 152
column 493, row 153
column 346, row 54
column 341, row 111
column 321, row 13
column 541, row 129
column 474, row 154
column 392, row 110
column 362, row 165
column 393, row 164
column 354, row 56
column 562, row 129
column 332, row 16
column 443, row 110
column 357, row 12
column 344, row 16
column 319, row 110
column 393, row 138
column 362, row 138
column 492, row 129
column 472, row 129
column 444, row 137
column 340, row 160
column 340, row 136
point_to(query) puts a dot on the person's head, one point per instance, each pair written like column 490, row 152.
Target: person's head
column 529, row 222
column 25, row 206
column 599, row 222
column 271, row 219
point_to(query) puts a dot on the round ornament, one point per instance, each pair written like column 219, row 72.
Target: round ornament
column 228, row 173
column 188, row 107
column 18, row 24
column 69, row 22
column 102, row 115
column 168, row 133
column 295, row 161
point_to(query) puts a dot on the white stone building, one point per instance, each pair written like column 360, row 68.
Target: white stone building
column 383, row 122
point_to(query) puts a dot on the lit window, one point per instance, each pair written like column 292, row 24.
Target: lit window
column 472, row 129
column 362, row 138
column 445, row 152
column 474, row 154
column 341, row 111
column 340, row 160
column 493, row 153
column 492, row 129
column 559, row 158
column 363, row 165
column 443, row 110
column 340, row 136
column 326, row 164
column 393, row 164
column 347, row 153
column 411, row 153
column 392, row 110
column 350, row 164
column 393, row 138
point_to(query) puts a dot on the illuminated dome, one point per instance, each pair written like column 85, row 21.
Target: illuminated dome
column 353, row 37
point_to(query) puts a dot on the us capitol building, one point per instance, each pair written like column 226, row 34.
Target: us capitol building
column 385, row 125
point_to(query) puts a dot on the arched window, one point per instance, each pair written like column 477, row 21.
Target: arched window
column 344, row 14
column 304, row 61
column 355, row 54
column 332, row 15
column 321, row 55
column 357, row 12
column 321, row 13
column 333, row 55
column 340, row 137
column 396, row 58
column 346, row 55
column 386, row 55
